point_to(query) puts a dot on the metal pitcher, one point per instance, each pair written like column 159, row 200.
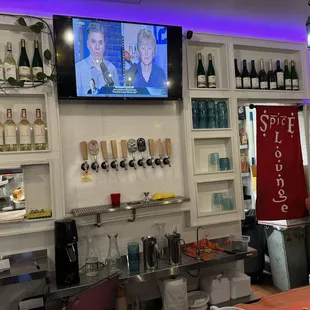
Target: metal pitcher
column 174, row 248
column 150, row 253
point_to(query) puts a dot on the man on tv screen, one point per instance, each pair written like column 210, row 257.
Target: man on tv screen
column 95, row 69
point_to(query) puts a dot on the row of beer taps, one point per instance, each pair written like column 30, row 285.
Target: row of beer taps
column 127, row 146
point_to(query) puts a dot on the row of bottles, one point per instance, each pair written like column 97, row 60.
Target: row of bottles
column 273, row 79
column 22, row 71
column 205, row 80
column 24, row 136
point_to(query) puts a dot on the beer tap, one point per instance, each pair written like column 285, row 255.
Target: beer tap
column 94, row 150
column 150, row 161
column 141, row 148
column 114, row 163
column 104, row 148
column 84, row 152
column 159, row 160
column 167, row 160
column 124, row 163
column 132, row 148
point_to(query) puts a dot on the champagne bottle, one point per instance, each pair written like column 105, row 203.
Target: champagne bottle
column 238, row 76
column 1, row 138
column 24, row 64
column 294, row 76
column 9, row 63
column 280, row 76
column 246, row 79
column 39, row 132
column 263, row 79
column 201, row 74
column 1, row 71
column 37, row 64
column 254, row 76
column 24, row 132
column 10, row 133
column 287, row 76
column 272, row 80
column 211, row 73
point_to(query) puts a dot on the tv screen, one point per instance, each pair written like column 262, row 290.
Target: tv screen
column 112, row 59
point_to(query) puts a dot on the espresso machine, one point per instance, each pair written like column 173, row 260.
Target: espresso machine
column 66, row 252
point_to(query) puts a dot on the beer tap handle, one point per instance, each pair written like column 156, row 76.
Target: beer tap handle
column 124, row 163
column 159, row 161
column 114, row 163
column 150, row 161
column 84, row 152
column 167, row 160
column 104, row 149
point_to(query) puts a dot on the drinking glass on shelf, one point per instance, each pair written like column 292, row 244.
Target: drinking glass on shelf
column 114, row 257
column 214, row 163
column 91, row 262
column 161, row 240
column 133, row 256
column 227, row 203
column 222, row 114
column 225, row 164
column 211, row 112
column 195, row 114
column 203, row 114
column 217, row 202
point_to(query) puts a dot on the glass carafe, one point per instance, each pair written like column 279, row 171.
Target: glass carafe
column 91, row 262
column 161, row 240
column 114, row 257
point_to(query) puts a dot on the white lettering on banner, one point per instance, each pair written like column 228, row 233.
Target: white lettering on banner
column 288, row 122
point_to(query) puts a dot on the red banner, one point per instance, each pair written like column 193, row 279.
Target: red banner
column 281, row 186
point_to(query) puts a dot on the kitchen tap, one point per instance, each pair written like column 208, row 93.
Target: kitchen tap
column 167, row 160
column 124, row 163
column 104, row 148
column 151, row 161
column 198, row 251
column 159, row 161
column 114, row 163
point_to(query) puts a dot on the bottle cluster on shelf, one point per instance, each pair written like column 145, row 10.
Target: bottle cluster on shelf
column 207, row 114
column 21, row 71
column 24, row 136
column 205, row 79
column 278, row 79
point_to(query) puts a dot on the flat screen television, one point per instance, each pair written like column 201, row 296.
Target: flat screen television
column 117, row 60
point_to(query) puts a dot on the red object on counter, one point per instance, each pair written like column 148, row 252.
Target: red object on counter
column 115, row 199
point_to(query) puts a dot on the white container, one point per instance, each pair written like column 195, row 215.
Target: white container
column 239, row 243
column 217, row 287
column 240, row 285
column 198, row 300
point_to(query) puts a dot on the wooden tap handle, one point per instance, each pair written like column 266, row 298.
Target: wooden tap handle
column 168, row 146
column 151, row 147
column 84, row 152
column 104, row 149
column 160, row 147
column 114, row 149
column 124, row 148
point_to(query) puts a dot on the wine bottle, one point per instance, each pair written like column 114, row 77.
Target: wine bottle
column 211, row 73
column 39, row 132
column 294, row 76
column 24, row 132
column 1, row 71
column 280, row 76
column 24, row 64
column 1, row 138
column 272, row 80
column 254, row 76
column 263, row 79
column 9, row 63
column 238, row 76
column 37, row 64
column 10, row 133
column 246, row 79
column 287, row 76
column 201, row 74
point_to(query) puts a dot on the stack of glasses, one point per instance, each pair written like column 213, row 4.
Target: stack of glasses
column 207, row 114
column 222, row 202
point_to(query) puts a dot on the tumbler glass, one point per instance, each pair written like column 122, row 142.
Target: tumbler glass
column 203, row 114
column 222, row 114
column 217, row 202
column 195, row 114
column 211, row 112
column 213, row 163
column 133, row 256
column 225, row 164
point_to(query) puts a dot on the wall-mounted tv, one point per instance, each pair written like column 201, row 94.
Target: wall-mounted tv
column 106, row 59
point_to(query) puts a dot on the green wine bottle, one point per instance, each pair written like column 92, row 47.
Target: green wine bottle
column 24, row 64
column 201, row 74
column 287, row 76
column 37, row 64
column 294, row 76
column 211, row 73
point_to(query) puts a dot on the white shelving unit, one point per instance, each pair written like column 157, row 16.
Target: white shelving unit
column 200, row 142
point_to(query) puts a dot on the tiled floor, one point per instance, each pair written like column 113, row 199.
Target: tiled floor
column 265, row 289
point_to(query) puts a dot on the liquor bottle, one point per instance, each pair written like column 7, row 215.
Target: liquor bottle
column 39, row 132
column 238, row 76
column 24, row 132
column 211, row 73
column 24, row 64
column 263, row 79
column 1, row 138
column 280, row 76
column 9, row 63
column 246, row 79
column 37, row 64
column 287, row 76
column 254, row 76
column 10, row 133
column 201, row 74
column 1, row 71
column 294, row 76
column 272, row 80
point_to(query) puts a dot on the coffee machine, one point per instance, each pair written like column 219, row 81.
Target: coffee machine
column 66, row 252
